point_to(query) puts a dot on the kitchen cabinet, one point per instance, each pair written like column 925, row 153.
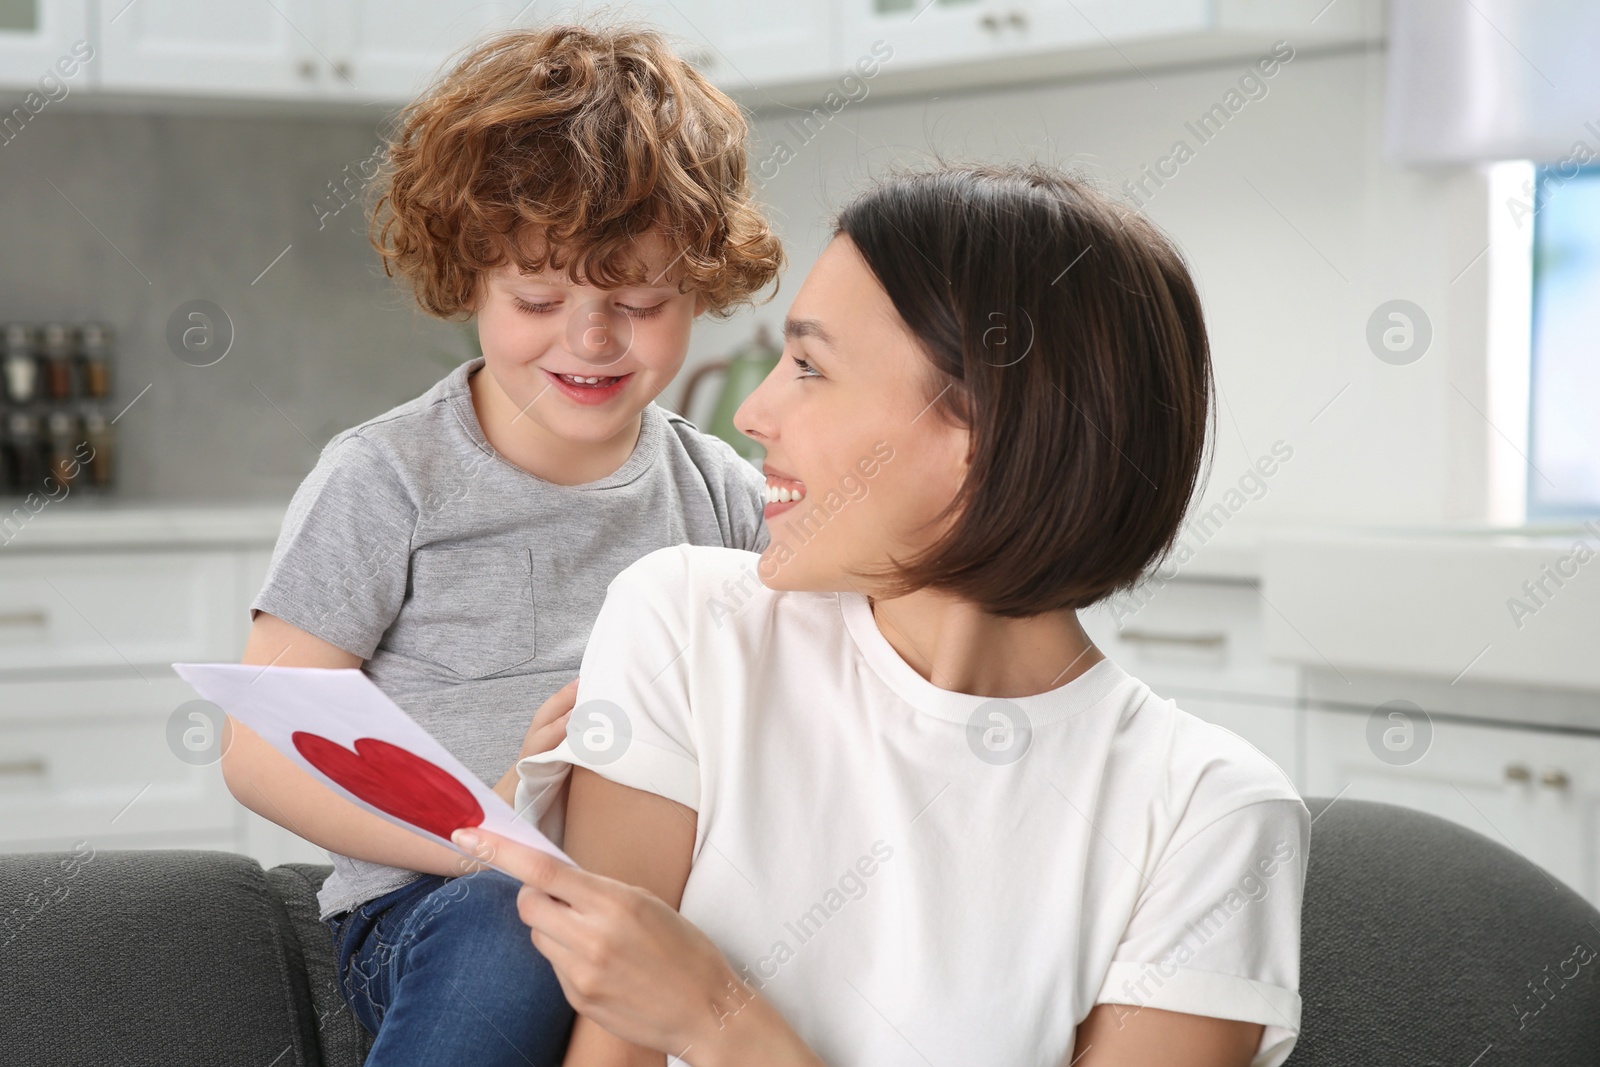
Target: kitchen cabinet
column 222, row 49
column 356, row 50
column 944, row 45
column 34, row 34
column 375, row 52
column 1536, row 792
column 94, row 609
column 389, row 50
column 86, row 758
column 115, row 610
column 790, row 41
column 925, row 32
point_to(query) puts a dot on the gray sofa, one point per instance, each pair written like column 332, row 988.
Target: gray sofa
column 1423, row 943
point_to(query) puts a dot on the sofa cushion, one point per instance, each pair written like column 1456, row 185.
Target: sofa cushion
column 163, row 957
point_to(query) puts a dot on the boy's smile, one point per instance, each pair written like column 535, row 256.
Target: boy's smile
column 589, row 389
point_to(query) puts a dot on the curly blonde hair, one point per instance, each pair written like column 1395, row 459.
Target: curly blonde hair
column 559, row 147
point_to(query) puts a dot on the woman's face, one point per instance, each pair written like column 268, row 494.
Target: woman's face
column 846, row 419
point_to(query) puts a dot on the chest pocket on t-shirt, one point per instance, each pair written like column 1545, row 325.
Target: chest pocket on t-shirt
column 469, row 610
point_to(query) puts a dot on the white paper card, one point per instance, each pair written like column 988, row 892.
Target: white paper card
column 344, row 731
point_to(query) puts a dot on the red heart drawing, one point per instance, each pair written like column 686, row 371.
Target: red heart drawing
column 394, row 780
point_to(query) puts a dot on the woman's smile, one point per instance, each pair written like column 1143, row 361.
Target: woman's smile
column 783, row 492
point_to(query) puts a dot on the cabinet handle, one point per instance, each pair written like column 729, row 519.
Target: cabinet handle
column 307, row 69
column 1150, row 637
column 342, row 69
column 1517, row 772
column 23, row 618
column 1555, row 778
column 990, row 23
column 34, row 765
column 1019, row 19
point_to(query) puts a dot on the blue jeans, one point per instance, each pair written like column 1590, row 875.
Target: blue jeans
column 443, row 971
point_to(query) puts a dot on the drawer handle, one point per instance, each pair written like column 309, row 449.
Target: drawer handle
column 1150, row 637
column 23, row 618
column 1555, row 778
column 23, row 766
column 1517, row 772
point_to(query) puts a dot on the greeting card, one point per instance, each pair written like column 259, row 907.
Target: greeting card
column 343, row 730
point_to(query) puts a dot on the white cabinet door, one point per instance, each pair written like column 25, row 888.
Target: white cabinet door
column 34, row 34
column 925, row 32
column 222, row 49
column 791, row 41
column 1537, row 792
column 1191, row 636
column 100, row 759
column 390, row 50
column 127, row 611
column 728, row 41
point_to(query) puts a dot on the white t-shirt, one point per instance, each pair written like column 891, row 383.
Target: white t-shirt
column 913, row 875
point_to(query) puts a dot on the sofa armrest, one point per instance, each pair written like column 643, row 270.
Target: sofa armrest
column 342, row 1038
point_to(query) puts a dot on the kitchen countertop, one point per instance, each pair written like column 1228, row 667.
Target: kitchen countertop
column 1231, row 554
column 115, row 524
column 1468, row 603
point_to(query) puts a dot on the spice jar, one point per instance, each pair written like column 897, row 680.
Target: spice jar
column 64, row 438
column 18, row 365
column 59, row 341
column 30, row 463
column 96, row 361
column 101, row 436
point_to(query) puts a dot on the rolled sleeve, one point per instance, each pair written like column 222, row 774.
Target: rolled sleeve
column 1216, row 931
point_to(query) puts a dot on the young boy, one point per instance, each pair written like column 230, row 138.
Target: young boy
column 583, row 194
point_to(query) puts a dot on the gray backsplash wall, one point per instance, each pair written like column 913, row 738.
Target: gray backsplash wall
column 123, row 217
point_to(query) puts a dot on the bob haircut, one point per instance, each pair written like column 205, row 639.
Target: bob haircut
column 558, row 147
column 1064, row 332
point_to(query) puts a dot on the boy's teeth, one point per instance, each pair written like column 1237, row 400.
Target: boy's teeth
column 576, row 380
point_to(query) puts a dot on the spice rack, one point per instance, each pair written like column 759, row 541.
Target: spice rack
column 55, row 383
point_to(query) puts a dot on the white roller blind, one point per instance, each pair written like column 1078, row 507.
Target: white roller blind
column 1480, row 80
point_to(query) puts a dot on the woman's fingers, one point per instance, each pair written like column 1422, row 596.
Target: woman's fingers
column 525, row 863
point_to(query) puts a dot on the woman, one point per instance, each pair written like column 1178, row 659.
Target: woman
column 905, row 810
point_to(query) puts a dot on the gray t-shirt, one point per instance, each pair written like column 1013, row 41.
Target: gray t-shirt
column 468, row 585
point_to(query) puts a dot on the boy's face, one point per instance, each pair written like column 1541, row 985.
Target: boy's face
column 535, row 329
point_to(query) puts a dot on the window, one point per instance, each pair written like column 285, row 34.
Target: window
column 1564, row 388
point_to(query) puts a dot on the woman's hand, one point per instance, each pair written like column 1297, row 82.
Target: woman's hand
column 549, row 726
column 629, row 962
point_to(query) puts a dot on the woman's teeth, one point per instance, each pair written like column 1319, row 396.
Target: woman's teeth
column 777, row 494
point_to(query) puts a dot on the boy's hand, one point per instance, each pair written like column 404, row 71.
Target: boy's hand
column 549, row 726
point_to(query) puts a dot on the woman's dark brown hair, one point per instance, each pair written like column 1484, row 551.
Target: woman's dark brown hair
column 559, row 147
column 1063, row 330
